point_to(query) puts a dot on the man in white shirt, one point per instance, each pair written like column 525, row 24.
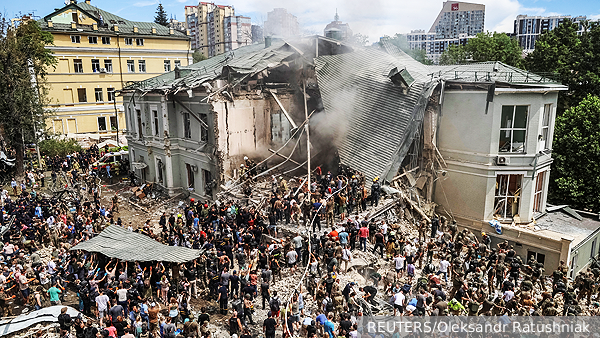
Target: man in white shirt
column 399, row 264
column 399, row 299
column 292, row 255
column 444, row 264
column 346, row 258
column 103, row 303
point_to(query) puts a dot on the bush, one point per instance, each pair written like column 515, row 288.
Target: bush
column 61, row 147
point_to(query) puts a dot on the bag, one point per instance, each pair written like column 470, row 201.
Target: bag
column 406, row 288
column 274, row 304
column 170, row 331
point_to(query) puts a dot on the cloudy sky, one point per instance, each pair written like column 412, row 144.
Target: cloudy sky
column 374, row 18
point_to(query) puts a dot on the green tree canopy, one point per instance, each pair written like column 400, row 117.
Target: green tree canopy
column 198, row 56
column 489, row 46
column 574, row 58
column 24, row 63
column 576, row 150
column 62, row 147
column 161, row 16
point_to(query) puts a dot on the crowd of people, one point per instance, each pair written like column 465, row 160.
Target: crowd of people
column 243, row 253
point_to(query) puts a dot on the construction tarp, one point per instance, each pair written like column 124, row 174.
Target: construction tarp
column 117, row 242
column 48, row 314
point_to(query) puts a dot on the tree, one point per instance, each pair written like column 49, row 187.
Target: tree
column 198, row 56
column 486, row 47
column 54, row 146
column 574, row 58
column 576, row 150
column 24, row 62
column 161, row 16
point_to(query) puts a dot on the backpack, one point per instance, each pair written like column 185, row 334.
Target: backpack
column 170, row 331
column 329, row 305
column 90, row 332
column 274, row 304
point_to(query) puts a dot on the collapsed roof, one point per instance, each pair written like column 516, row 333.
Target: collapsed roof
column 117, row 242
column 373, row 99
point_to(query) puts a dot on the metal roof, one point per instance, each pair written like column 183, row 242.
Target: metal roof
column 21, row 322
column 375, row 121
column 125, row 26
column 125, row 245
column 244, row 60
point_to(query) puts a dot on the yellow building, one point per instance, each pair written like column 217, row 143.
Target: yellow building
column 98, row 53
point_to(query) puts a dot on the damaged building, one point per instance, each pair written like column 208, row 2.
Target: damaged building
column 470, row 142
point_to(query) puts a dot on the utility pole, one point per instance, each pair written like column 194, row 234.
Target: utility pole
column 307, row 130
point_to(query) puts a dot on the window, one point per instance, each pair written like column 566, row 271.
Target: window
column 93, row 39
column 190, row 176
column 187, row 130
column 513, row 128
column 95, row 65
column 110, row 94
column 108, row 66
column 540, row 258
column 177, row 63
column 204, row 128
column 593, row 252
column 78, row 65
column 545, row 142
column 207, row 182
column 507, row 197
column 129, row 41
column 81, row 95
column 98, row 94
column 142, row 66
column 106, row 40
column 102, row 123
column 130, row 66
column 139, row 123
column 539, row 192
column 167, row 65
column 139, row 41
column 155, row 116
column 114, row 124
column 75, row 39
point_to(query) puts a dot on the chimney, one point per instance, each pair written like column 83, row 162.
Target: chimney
column 177, row 72
column 135, row 29
column 73, row 25
column 73, row 1
column 187, row 32
column 88, row 2
column 153, row 30
column 267, row 41
column 115, row 27
column 95, row 26
column 171, row 31
column 50, row 24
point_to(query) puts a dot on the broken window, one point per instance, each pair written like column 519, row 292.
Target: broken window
column 545, row 142
column 187, row 126
column 139, row 123
column 513, row 128
column 155, row 116
column 207, row 182
column 190, row 176
column 508, row 195
column 204, row 128
column 539, row 192
column 539, row 257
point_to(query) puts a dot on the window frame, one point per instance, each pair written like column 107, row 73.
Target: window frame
column 95, row 66
column 156, row 122
column 128, row 41
column 110, row 122
column 75, row 38
column 502, row 197
column 106, row 40
column 105, row 125
column 538, row 191
column 92, row 39
column 78, row 65
column 98, row 94
column 177, row 63
column 187, row 125
column 512, row 129
column 108, row 65
column 110, row 94
column 165, row 64
column 139, row 42
column 130, row 66
column 545, row 132
column 142, row 66
column 204, row 130
column 84, row 91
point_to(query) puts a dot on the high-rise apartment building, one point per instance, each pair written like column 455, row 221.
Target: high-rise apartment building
column 528, row 28
column 97, row 54
column 455, row 25
column 257, row 34
column 281, row 24
column 215, row 29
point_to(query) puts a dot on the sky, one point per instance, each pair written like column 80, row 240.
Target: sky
column 373, row 18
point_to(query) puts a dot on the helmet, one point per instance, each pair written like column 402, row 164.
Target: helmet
column 245, row 158
column 192, row 200
column 242, row 165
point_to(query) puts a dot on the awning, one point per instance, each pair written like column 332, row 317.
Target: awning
column 48, row 314
column 110, row 143
column 118, row 242
column 138, row 165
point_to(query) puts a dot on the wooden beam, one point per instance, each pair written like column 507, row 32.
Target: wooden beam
column 285, row 157
column 284, row 111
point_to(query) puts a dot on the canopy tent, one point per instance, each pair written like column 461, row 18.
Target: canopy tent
column 110, row 143
column 48, row 314
column 117, row 242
